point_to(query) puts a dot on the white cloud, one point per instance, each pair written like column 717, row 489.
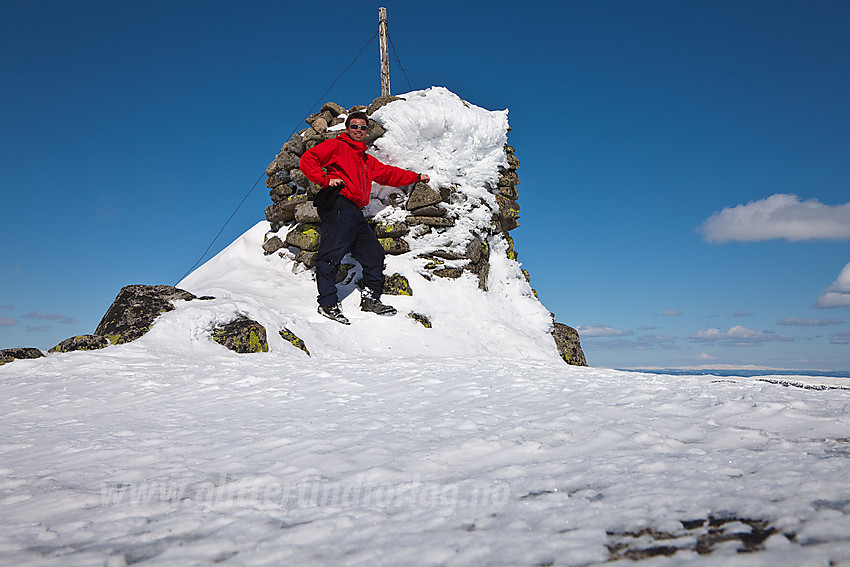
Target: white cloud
column 41, row 329
column 50, row 317
column 601, row 331
column 705, row 356
column 842, row 338
column 798, row 322
column 738, row 335
column 671, row 313
column 779, row 216
column 831, row 299
column 656, row 339
column 837, row 294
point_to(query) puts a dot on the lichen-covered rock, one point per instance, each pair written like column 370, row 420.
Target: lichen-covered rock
column 396, row 284
column 287, row 161
column 390, row 229
column 310, row 138
column 320, row 125
column 333, row 108
column 134, row 310
column 474, row 250
column 430, row 221
column 513, row 162
column 307, row 212
column 301, row 180
column 278, row 213
column 508, row 191
column 305, row 236
column 242, row 335
column 374, row 132
column 273, row 244
column 272, row 168
column 81, row 342
column 508, row 208
column 569, row 345
column 429, row 211
column 379, row 102
column 307, row 258
column 510, row 251
column 418, row 317
column 394, row 246
column 19, row 353
column 293, row 339
column 281, row 193
column 452, row 273
column 295, row 145
column 283, row 211
column 276, row 180
column 508, row 178
column 421, row 196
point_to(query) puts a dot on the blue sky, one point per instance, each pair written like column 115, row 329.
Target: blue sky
column 685, row 165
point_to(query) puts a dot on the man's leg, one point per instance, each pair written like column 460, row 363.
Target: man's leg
column 339, row 232
column 370, row 254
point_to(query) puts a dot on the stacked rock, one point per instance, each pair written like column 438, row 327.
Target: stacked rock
column 417, row 212
column 292, row 204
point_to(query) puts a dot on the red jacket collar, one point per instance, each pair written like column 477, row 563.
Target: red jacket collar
column 357, row 146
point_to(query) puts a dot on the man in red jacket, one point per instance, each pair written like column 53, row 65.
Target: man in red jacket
column 344, row 171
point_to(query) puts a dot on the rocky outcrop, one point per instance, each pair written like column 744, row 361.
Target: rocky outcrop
column 81, row 342
column 242, row 335
column 129, row 317
column 293, row 339
column 426, row 209
column 19, row 353
column 133, row 312
column 569, row 346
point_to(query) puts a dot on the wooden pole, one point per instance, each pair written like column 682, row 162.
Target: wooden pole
column 385, row 52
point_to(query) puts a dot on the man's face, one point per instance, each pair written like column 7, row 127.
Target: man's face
column 357, row 134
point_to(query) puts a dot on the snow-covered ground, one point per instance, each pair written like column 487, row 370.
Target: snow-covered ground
column 190, row 455
column 470, row 443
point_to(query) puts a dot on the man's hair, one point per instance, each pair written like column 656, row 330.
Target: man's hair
column 355, row 116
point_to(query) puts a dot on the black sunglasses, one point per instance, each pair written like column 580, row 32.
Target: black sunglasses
column 358, row 127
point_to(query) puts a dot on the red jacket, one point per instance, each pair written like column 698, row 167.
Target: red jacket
column 343, row 158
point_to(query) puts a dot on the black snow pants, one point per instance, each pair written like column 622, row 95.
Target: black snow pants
column 344, row 230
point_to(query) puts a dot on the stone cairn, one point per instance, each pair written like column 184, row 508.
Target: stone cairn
column 137, row 306
column 295, row 227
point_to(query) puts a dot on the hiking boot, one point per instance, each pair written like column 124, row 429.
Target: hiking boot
column 370, row 302
column 334, row 312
